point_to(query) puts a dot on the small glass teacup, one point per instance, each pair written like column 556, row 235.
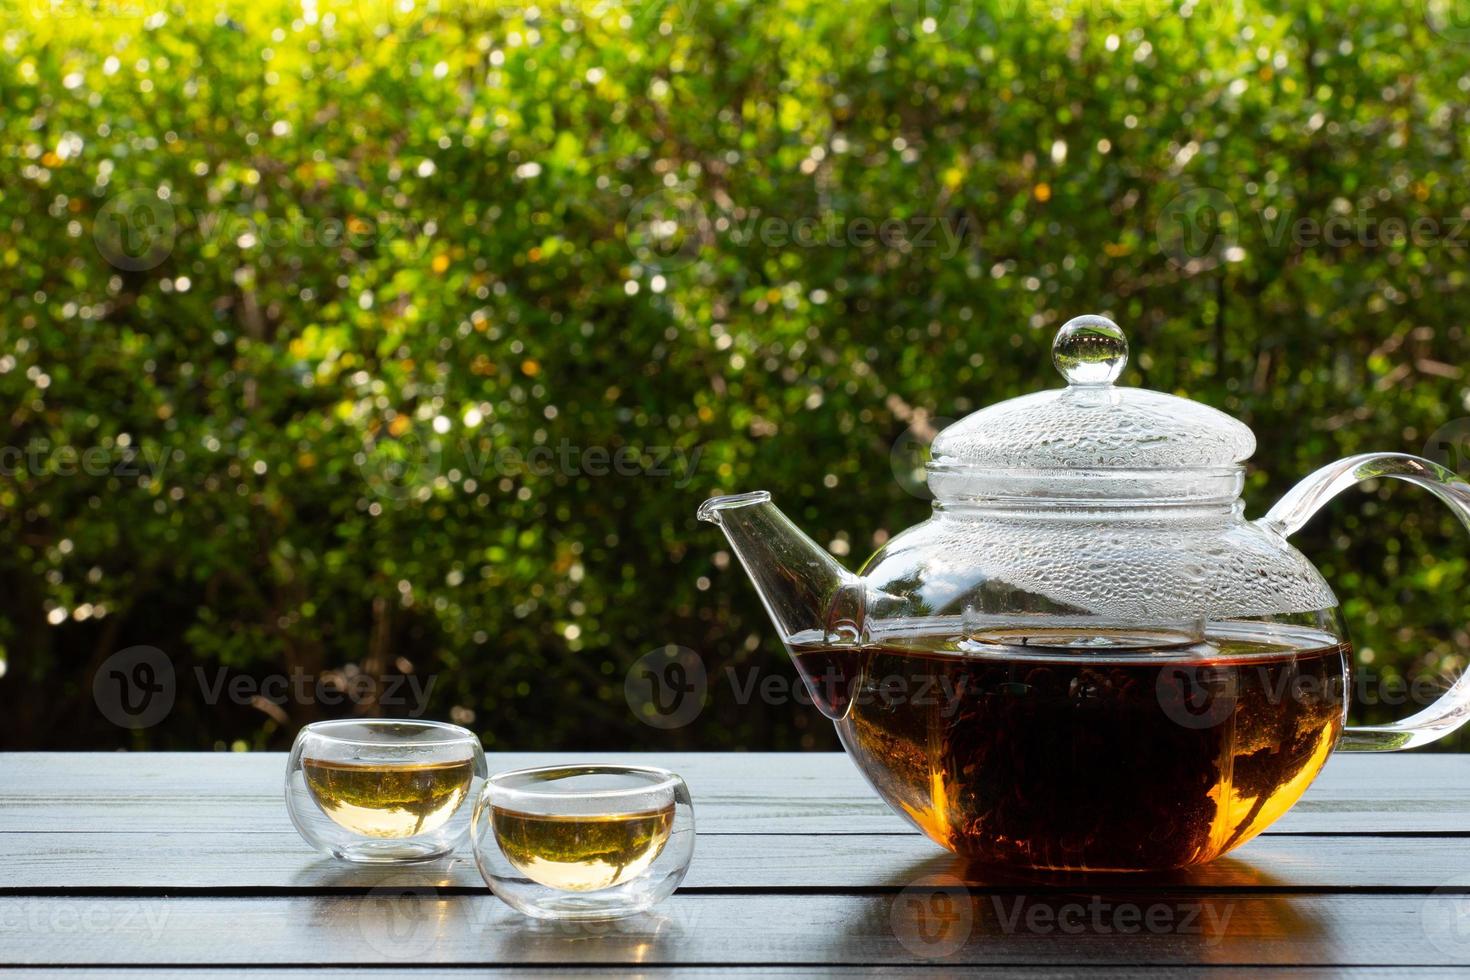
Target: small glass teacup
column 584, row 842
column 383, row 790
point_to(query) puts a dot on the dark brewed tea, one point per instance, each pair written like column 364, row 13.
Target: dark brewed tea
column 1070, row 752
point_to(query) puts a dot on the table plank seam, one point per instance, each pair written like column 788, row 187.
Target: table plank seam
column 682, row 965
column 1081, row 887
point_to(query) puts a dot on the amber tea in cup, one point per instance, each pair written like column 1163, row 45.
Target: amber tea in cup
column 383, row 790
column 584, row 841
column 388, row 801
column 582, row 853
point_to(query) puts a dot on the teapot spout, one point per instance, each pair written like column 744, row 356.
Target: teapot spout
column 809, row 596
column 818, row 606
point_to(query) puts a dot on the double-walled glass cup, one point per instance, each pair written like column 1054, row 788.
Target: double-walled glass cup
column 584, row 842
column 383, row 790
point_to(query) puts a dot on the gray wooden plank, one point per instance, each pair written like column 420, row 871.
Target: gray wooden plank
column 922, row 968
column 405, row 925
column 819, row 793
column 169, row 862
column 211, row 792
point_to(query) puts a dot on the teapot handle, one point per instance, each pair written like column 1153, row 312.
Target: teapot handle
column 1452, row 709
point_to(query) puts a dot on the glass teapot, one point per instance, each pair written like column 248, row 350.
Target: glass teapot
column 1087, row 657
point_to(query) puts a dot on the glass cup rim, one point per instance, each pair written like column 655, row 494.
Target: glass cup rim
column 458, row 735
column 664, row 779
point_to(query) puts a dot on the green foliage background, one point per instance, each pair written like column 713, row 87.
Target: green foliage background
column 543, row 226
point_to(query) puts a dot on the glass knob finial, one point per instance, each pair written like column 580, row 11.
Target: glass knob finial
column 1090, row 350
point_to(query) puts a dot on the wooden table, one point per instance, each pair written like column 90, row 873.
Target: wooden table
column 178, row 863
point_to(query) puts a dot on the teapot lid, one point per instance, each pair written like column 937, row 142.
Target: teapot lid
column 1092, row 438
